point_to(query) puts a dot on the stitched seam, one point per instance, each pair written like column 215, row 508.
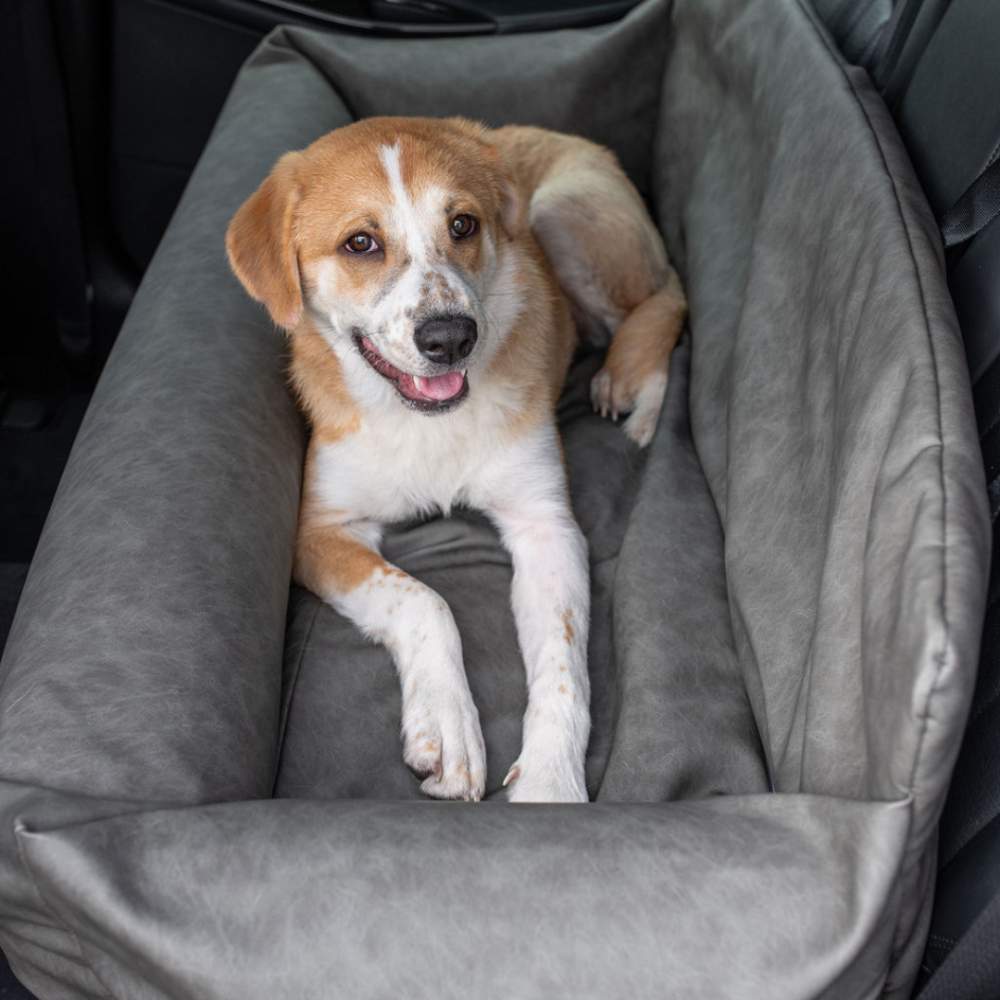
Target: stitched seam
column 940, row 939
column 84, row 961
column 941, row 655
column 293, row 684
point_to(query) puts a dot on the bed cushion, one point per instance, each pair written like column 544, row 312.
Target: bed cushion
column 200, row 787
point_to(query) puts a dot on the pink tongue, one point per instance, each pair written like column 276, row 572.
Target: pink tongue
column 440, row 386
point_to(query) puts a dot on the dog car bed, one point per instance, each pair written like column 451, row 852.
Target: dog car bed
column 201, row 788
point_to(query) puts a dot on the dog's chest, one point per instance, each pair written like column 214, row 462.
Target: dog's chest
column 393, row 471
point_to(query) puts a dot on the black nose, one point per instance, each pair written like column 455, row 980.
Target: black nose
column 446, row 339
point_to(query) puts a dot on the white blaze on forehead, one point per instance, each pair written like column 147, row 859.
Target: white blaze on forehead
column 415, row 222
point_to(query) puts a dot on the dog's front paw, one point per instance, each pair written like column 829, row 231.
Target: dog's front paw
column 613, row 396
column 534, row 780
column 443, row 740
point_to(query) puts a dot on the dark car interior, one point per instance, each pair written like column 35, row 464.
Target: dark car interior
column 109, row 104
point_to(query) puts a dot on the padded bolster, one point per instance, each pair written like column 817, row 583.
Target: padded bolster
column 843, row 460
column 846, row 471
column 601, row 82
column 737, row 896
column 145, row 658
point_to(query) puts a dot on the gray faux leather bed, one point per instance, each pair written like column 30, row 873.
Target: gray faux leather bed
column 201, row 790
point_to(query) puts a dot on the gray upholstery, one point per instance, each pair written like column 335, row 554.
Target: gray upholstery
column 788, row 587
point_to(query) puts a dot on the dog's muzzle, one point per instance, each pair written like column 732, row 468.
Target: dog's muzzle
column 446, row 340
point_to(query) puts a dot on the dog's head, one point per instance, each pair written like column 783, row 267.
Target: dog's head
column 393, row 235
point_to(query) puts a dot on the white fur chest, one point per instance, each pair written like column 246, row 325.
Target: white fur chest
column 400, row 463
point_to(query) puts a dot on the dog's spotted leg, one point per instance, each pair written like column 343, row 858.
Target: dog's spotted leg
column 634, row 377
column 442, row 738
column 551, row 601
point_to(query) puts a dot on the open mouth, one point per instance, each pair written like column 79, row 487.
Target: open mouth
column 428, row 393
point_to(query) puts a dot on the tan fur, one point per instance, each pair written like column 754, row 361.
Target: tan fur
column 645, row 340
column 595, row 208
column 319, row 382
column 567, row 620
column 537, row 354
column 342, row 181
column 261, row 245
column 330, row 559
column 590, row 240
column 610, row 262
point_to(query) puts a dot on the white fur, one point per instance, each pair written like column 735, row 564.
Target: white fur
column 441, row 732
column 645, row 415
column 524, row 491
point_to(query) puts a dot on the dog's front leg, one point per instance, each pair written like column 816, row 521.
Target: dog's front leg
column 551, row 601
column 442, row 737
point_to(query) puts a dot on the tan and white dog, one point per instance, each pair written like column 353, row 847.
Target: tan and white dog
column 429, row 273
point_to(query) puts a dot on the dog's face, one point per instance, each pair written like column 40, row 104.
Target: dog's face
column 393, row 235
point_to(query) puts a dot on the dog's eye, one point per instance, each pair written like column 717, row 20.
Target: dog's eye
column 463, row 226
column 361, row 243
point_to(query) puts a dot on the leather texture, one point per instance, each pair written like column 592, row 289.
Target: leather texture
column 829, row 543
column 965, row 917
column 356, row 899
column 788, row 587
column 948, row 100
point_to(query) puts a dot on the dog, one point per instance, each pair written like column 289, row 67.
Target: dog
column 433, row 276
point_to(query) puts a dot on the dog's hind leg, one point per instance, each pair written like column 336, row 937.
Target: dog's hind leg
column 442, row 738
column 611, row 263
column 634, row 377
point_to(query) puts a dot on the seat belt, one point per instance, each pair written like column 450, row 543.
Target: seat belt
column 978, row 206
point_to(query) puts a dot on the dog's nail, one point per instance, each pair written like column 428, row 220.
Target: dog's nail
column 512, row 775
column 614, row 416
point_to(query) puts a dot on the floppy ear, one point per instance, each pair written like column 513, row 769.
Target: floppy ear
column 513, row 208
column 260, row 242
column 513, row 203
